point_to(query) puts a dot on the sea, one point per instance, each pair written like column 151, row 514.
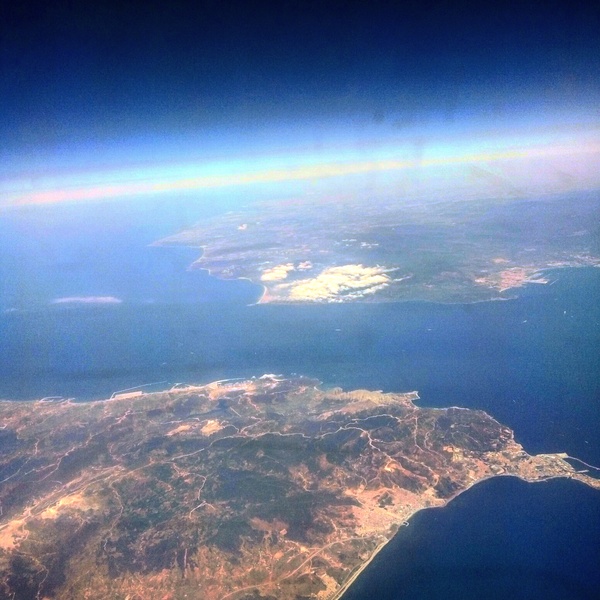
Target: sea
column 89, row 307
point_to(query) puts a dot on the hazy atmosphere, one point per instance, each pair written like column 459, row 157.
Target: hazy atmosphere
column 299, row 300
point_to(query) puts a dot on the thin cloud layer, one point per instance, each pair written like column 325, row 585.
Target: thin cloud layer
column 87, row 300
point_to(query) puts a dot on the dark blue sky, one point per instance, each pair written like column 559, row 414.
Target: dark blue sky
column 103, row 70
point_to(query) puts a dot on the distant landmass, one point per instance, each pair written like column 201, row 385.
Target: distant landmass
column 357, row 248
column 265, row 488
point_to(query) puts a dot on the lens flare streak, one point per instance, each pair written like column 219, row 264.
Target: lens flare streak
column 145, row 181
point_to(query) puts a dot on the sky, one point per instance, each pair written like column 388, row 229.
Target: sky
column 98, row 95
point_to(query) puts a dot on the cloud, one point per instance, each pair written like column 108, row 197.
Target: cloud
column 87, row 300
column 337, row 284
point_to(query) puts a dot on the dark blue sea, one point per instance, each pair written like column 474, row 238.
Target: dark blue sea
column 533, row 363
column 502, row 539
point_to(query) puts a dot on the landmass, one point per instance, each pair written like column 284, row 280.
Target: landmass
column 266, row 488
column 385, row 247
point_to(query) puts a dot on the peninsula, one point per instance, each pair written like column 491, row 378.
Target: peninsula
column 391, row 247
column 266, row 488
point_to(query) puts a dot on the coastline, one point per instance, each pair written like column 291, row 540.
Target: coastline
column 405, row 519
column 373, row 526
column 338, row 594
column 534, row 275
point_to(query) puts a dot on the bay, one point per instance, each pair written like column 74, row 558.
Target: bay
column 497, row 540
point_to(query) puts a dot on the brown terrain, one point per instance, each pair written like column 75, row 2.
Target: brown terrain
column 266, row 488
